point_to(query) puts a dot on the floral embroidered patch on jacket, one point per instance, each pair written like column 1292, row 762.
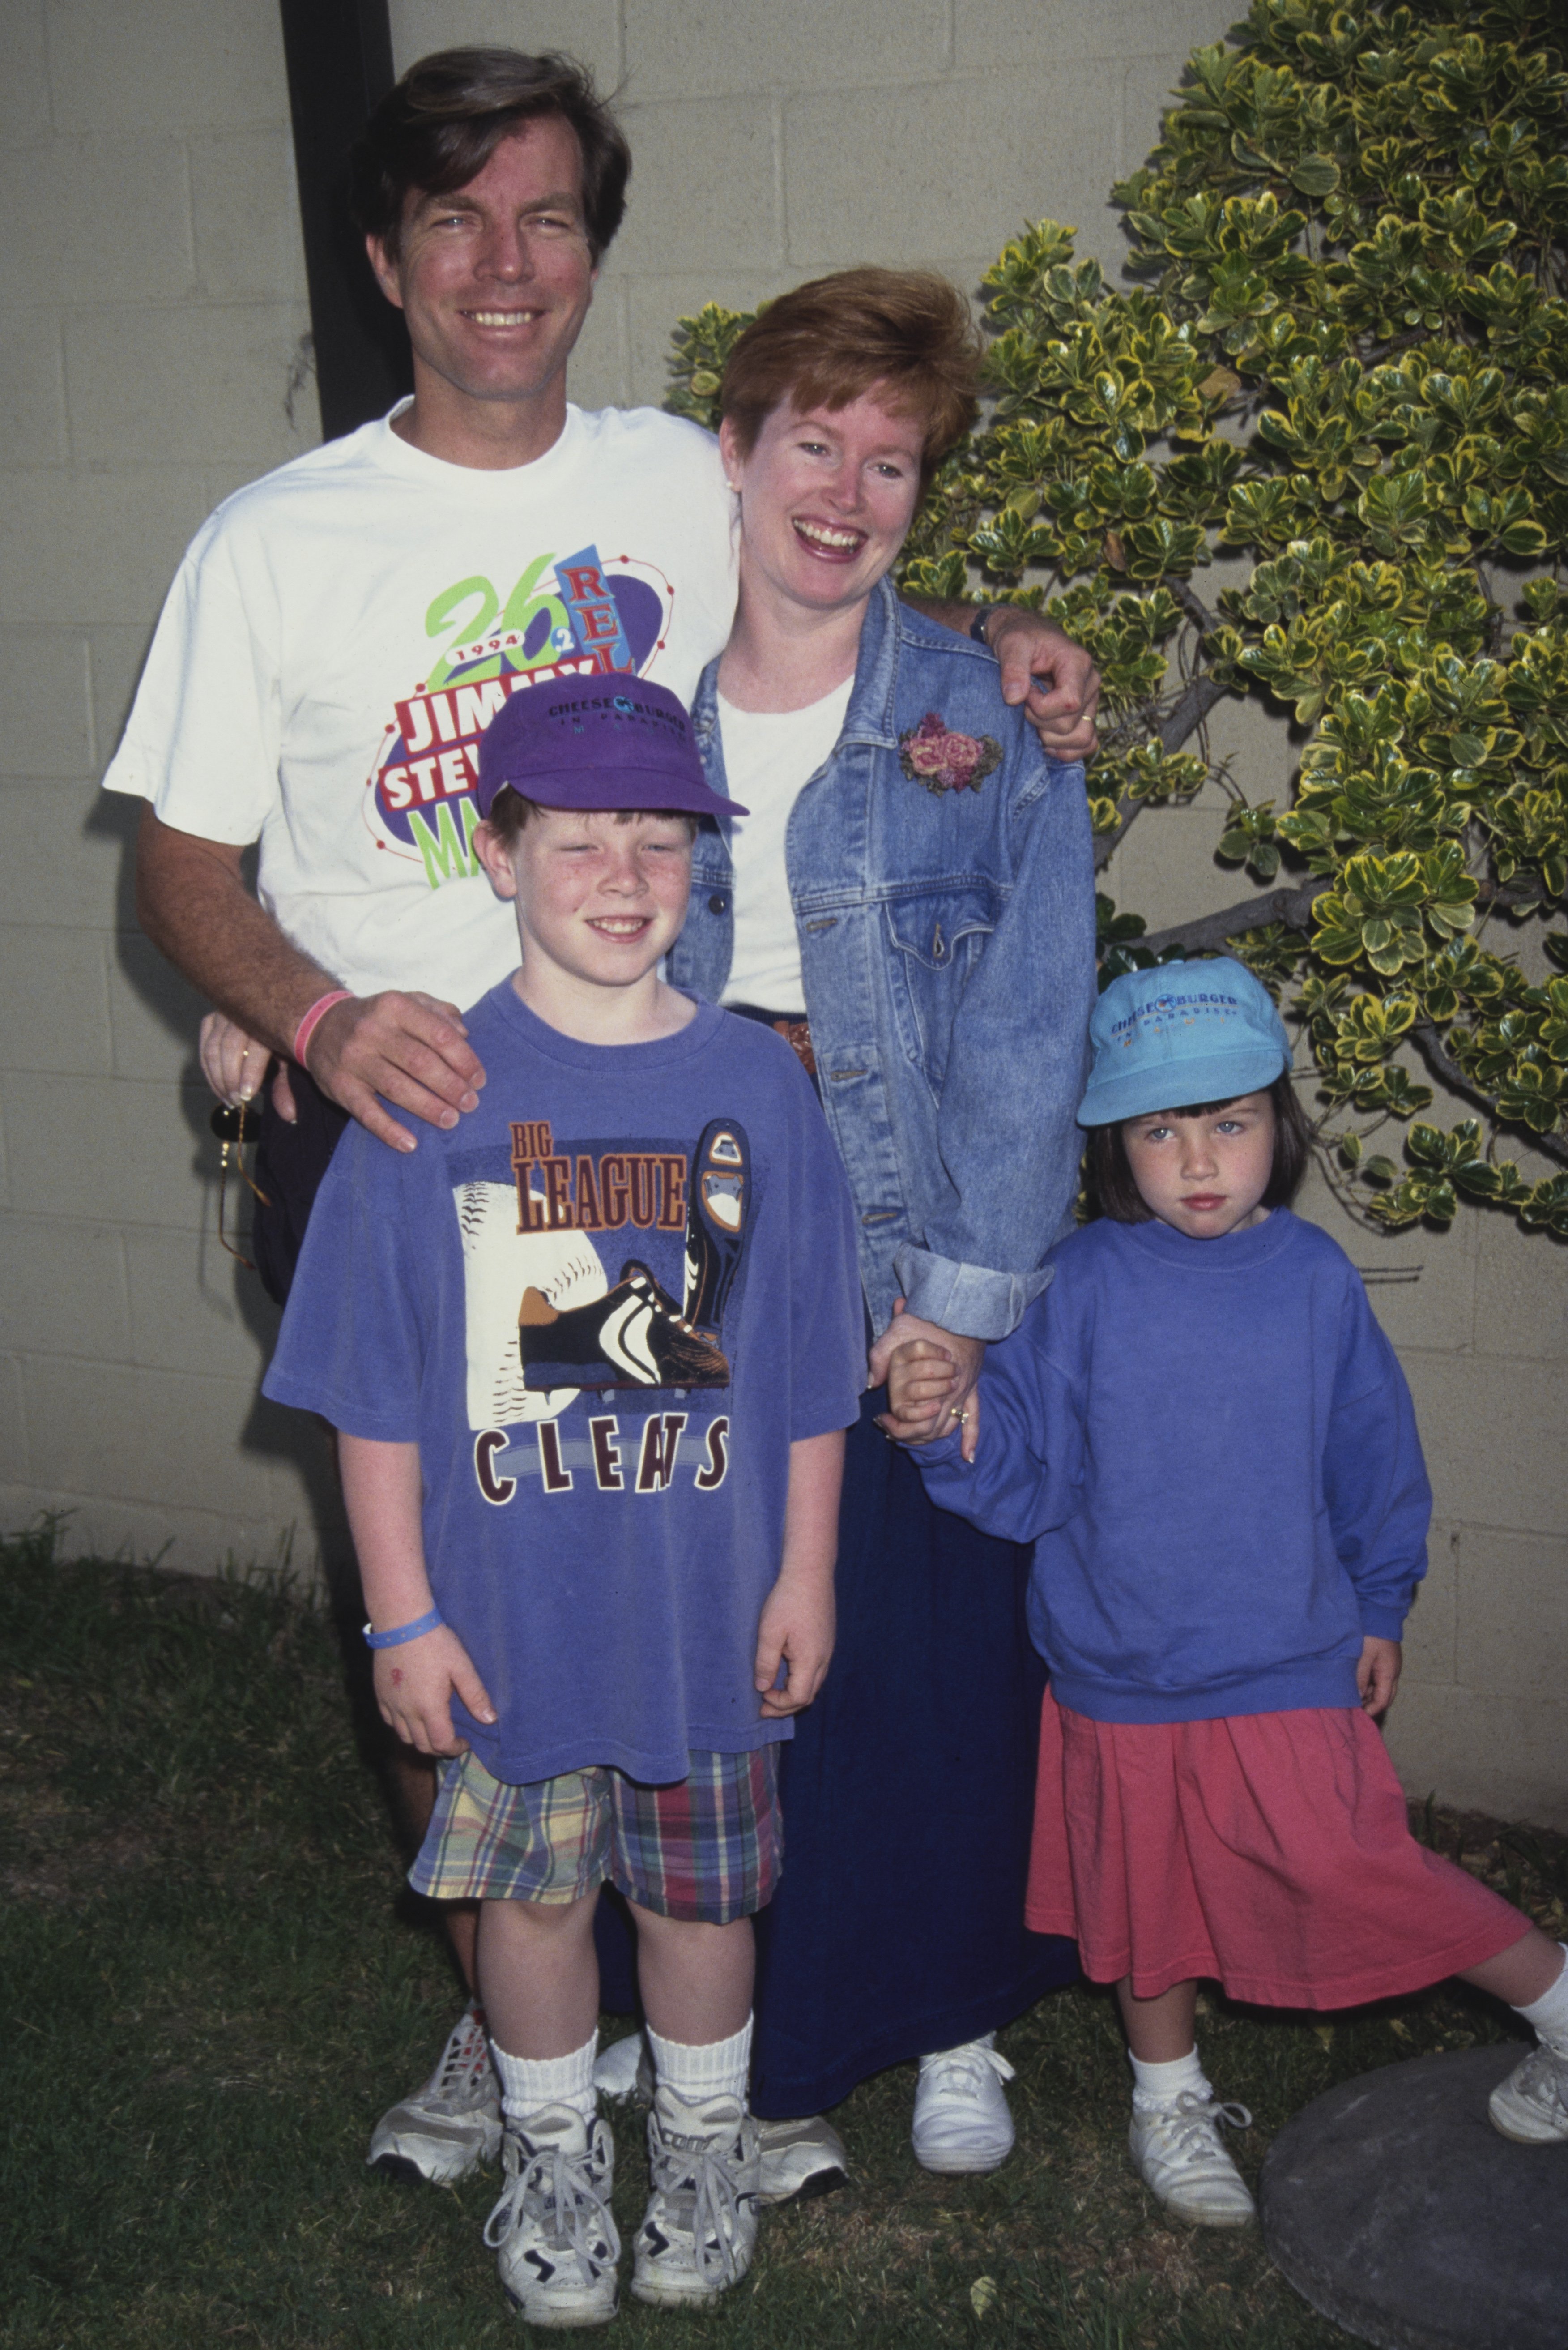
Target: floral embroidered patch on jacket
column 929, row 754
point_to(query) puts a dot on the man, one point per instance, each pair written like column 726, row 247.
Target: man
column 338, row 637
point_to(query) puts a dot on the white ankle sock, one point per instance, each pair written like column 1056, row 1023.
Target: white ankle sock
column 1156, row 2086
column 712, row 2068
column 1549, row 2013
column 529, row 2082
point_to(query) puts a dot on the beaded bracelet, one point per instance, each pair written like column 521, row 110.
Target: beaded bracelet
column 374, row 1639
column 311, row 1020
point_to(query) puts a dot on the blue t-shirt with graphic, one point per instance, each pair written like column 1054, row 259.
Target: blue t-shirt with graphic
column 603, row 1307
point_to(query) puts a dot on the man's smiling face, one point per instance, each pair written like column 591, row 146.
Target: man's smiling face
column 495, row 279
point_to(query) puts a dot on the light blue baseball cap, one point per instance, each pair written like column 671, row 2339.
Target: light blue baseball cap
column 1184, row 1032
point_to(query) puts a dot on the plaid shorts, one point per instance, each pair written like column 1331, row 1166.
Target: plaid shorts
column 705, row 1847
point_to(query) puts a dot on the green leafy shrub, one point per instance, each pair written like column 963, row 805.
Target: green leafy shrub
column 1342, row 373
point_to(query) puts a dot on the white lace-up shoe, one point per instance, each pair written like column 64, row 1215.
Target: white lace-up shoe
column 1532, row 2106
column 700, row 2228
column 1176, row 2153
column 552, row 2231
column 444, row 2129
column 799, row 2160
column 961, row 2122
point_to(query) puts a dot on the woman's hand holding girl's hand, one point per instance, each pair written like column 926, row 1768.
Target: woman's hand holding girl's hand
column 1378, row 1674
column 414, row 1687
column 951, row 1404
column 920, row 1385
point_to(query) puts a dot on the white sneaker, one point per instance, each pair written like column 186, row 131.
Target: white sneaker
column 624, row 2071
column 799, row 2158
column 552, row 2230
column 1532, row 2106
column 700, row 2228
column 451, row 2124
column 1176, row 2152
column 961, row 2122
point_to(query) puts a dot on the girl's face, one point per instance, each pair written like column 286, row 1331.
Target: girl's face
column 1204, row 1172
column 827, row 499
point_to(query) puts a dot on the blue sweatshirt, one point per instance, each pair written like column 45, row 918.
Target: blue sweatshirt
column 1214, row 1452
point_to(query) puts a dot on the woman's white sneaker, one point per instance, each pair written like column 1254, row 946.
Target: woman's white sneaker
column 961, row 2122
column 1532, row 2106
column 1176, row 2153
column 442, row 2130
column 700, row 2228
column 552, row 2230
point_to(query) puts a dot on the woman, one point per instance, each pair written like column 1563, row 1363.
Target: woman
column 911, row 902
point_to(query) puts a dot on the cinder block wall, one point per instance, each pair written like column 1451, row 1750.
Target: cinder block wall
column 154, row 304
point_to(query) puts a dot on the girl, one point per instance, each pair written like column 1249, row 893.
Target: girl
column 1208, row 1439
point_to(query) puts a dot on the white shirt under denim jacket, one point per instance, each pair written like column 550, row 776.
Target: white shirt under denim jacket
column 947, row 952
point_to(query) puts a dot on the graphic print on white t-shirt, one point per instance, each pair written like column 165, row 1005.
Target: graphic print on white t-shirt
column 565, row 616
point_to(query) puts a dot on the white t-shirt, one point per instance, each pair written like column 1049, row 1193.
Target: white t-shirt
column 770, row 756
column 340, row 633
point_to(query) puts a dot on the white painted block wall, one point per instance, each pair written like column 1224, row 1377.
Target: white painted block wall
column 151, row 307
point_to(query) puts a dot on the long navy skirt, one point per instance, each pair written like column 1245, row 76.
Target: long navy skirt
column 907, row 1793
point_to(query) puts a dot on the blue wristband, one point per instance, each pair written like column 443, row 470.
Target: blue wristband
column 374, row 1639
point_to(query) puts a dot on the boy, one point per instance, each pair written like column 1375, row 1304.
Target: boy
column 605, row 1614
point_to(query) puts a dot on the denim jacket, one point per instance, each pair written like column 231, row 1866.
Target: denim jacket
column 947, row 952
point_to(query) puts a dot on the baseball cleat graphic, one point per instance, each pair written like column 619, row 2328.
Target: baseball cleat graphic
column 635, row 1337
column 719, row 1196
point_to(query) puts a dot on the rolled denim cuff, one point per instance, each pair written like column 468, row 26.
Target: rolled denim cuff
column 969, row 1300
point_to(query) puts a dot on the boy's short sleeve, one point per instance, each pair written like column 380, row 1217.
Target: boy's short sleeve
column 354, row 1336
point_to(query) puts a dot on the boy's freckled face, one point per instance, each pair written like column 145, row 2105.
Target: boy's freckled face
column 599, row 897
column 1204, row 1174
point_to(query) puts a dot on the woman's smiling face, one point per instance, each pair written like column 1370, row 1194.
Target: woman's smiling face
column 827, row 496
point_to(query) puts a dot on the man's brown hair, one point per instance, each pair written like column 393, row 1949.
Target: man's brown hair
column 439, row 128
column 1108, row 1176
column 905, row 332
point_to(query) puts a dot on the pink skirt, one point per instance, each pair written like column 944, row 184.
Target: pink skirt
column 1269, row 1852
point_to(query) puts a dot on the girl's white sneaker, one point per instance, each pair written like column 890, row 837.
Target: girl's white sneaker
column 1176, row 2153
column 1532, row 2106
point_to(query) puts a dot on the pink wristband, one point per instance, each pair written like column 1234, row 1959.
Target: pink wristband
column 314, row 1017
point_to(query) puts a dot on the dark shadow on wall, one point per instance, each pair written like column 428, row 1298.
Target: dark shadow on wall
column 270, row 1431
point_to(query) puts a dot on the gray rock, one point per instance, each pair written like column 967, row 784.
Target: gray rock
column 1395, row 2208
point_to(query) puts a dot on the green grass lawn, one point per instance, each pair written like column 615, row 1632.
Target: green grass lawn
column 211, row 1985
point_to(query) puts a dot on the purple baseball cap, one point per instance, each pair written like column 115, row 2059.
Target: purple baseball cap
column 612, row 741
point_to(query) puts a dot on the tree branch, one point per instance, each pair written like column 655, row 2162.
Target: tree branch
column 1188, row 712
column 1430, row 1045
column 1292, row 907
column 1289, row 906
column 1196, row 611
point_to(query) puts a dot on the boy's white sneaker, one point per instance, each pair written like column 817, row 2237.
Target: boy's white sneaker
column 700, row 2228
column 552, row 2230
column 961, row 2122
column 1532, row 2106
column 453, row 2123
column 1176, row 2152
column 798, row 2158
